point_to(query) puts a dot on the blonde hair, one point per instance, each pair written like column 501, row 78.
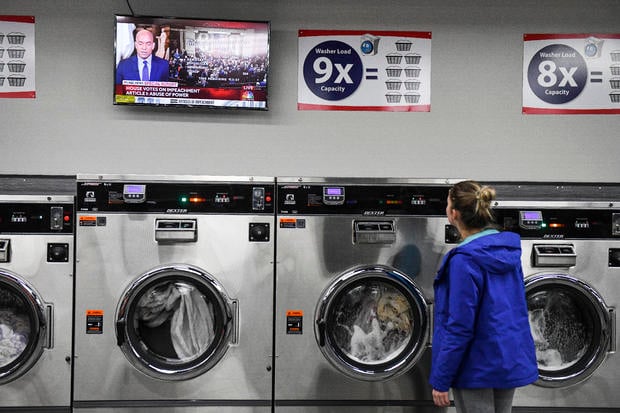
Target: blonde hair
column 473, row 201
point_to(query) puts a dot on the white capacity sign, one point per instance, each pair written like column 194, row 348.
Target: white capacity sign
column 364, row 70
column 17, row 57
column 571, row 73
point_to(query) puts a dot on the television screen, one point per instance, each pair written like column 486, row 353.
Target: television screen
column 191, row 62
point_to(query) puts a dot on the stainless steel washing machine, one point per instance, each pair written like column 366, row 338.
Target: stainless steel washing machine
column 571, row 262
column 174, row 294
column 36, row 302
column 356, row 259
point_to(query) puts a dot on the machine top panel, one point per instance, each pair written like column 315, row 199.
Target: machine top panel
column 175, row 197
column 47, row 216
column 366, row 200
column 543, row 222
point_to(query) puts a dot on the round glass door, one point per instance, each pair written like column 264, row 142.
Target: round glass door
column 372, row 323
column 175, row 322
column 571, row 326
column 23, row 326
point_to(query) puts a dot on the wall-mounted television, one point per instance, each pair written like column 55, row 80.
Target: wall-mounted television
column 171, row 62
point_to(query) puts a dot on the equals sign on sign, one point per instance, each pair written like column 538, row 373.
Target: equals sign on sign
column 372, row 73
column 596, row 77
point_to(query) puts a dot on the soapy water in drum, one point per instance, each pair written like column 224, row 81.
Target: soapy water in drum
column 373, row 323
column 14, row 334
column 560, row 334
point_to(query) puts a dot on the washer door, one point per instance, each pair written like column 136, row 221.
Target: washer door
column 24, row 328
column 571, row 326
column 175, row 322
column 372, row 323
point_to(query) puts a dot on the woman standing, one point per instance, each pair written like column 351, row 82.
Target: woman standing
column 482, row 344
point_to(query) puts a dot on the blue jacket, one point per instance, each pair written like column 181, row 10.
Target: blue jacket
column 482, row 335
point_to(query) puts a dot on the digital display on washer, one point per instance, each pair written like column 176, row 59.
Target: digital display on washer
column 333, row 195
column 331, row 190
column 532, row 215
column 134, row 193
column 530, row 219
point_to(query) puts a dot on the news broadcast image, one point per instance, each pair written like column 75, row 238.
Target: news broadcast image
column 210, row 63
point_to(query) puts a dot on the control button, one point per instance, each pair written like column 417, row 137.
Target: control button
column 259, row 232
column 614, row 257
column 57, row 252
column 452, row 235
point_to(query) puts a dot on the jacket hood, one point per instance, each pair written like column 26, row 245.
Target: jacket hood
column 499, row 252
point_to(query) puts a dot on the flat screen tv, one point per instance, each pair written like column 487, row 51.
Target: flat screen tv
column 191, row 62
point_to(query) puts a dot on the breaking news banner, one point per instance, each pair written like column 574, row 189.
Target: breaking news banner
column 571, row 74
column 361, row 70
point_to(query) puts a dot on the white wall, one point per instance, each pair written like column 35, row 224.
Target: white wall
column 475, row 128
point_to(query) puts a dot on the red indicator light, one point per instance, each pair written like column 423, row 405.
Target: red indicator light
column 556, row 225
column 67, row 218
column 196, row 199
column 267, row 198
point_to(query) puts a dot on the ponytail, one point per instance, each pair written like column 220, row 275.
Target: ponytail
column 473, row 201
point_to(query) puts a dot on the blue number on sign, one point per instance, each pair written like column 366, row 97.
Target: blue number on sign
column 333, row 70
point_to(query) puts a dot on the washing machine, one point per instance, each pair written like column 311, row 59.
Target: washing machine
column 356, row 259
column 36, row 302
column 571, row 263
column 174, row 294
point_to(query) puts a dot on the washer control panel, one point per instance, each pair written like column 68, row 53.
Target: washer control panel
column 560, row 223
column 366, row 200
column 175, row 197
column 39, row 218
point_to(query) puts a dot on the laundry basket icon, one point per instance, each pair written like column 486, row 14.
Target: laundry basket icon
column 614, row 82
column 16, row 66
column 393, row 71
column 412, row 85
column 1, row 37
column 412, row 71
column 17, row 80
column 16, row 52
column 1, row 66
column 615, row 97
column 412, row 97
column 393, row 84
column 2, row 80
column 393, row 97
column 615, row 70
column 16, row 38
column 403, row 45
column 394, row 58
column 1, row 52
column 412, row 58
column 615, row 55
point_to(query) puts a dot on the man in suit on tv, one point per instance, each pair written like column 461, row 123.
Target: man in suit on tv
column 143, row 65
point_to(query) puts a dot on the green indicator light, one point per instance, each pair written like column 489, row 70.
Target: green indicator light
column 183, row 199
column 543, row 225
